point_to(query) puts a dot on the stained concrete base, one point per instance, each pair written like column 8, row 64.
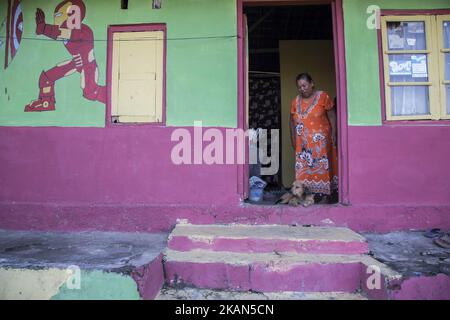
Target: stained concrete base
column 410, row 253
column 111, row 251
column 424, row 266
column 111, row 265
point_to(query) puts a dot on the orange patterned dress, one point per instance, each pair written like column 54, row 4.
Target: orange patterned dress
column 315, row 155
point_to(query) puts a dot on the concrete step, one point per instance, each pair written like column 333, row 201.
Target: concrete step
column 81, row 265
column 267, row 238
column 167, row 293
column 267, row 272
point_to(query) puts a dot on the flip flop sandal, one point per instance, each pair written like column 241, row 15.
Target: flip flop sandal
column 433, row 233
column 445, row 269
column 443, row 242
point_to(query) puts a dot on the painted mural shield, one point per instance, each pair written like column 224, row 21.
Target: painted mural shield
column 17, row 28
column 14, row 30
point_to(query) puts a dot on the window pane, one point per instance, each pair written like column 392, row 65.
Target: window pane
column 408, row 68
column 447, row 66
column 447, row 34
column 410, row 100
column 407, row 35
column 448, row 99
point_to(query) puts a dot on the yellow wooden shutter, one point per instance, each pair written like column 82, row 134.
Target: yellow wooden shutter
column 137, row 76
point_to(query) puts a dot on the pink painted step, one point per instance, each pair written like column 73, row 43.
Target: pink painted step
column 264, row 272
column 267, row 238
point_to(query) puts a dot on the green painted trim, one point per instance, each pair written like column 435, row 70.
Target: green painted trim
column 99, row 285
column 363, row 79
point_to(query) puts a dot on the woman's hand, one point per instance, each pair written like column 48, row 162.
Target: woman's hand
column 292, row 131
column 332, row 117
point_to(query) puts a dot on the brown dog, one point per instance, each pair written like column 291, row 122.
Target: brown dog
column 297, row 196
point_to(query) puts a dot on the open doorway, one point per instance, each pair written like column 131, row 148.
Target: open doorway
column 282, row 42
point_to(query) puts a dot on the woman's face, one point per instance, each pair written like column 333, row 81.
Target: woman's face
column 305, row 88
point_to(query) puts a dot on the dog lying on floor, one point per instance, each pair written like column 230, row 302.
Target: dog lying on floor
column 297, row 196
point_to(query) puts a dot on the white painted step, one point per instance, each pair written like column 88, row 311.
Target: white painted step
column 238, row 258
column 267, row 238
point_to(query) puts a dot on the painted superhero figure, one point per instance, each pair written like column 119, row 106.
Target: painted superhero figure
column 78, row 39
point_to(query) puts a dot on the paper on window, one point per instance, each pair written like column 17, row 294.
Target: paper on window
column 400, row 68
column 419, row 66
column 396, row 42
column 411, row 42
column 416, row 27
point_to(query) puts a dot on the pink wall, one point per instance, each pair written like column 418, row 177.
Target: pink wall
column 400, row 165
column 122, row 179
column 424, row 288
column 121, row 165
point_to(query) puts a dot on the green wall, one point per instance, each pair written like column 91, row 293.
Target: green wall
column 201, row 73
column 363, row 80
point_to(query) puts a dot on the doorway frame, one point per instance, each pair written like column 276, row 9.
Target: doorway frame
column 341, row 88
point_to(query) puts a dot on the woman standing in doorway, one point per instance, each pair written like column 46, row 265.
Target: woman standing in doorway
column 314, row 138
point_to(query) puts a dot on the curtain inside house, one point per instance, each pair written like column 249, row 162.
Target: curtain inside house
column 408, row 100
column 264, row 108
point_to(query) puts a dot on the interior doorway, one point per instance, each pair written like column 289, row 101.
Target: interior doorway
column 281, row 42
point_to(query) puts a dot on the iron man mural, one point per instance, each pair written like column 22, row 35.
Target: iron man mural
column 78, row 39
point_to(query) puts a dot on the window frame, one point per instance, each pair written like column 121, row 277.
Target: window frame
column 435, row 43
column 442, row 51
column 112, row 29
